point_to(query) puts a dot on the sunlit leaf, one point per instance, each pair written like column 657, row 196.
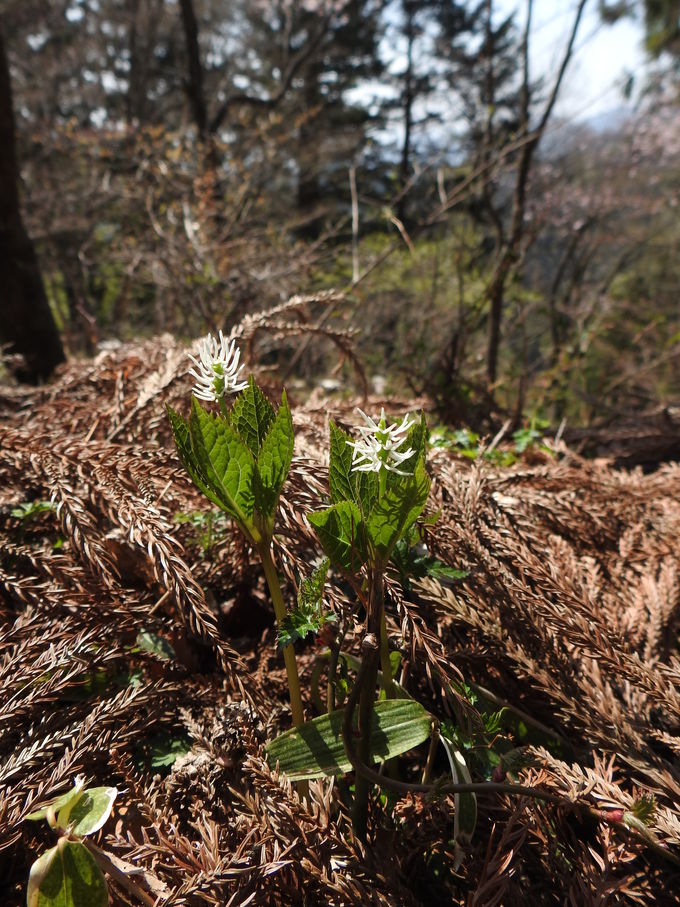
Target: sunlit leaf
column 66, row 876
column 396, row 511
column 88, row 813
column 252, row 416
column 152, row 642
column 59, row 802
column 224, row 459
column 316, row 748
column 273, row 460
column 341, row 532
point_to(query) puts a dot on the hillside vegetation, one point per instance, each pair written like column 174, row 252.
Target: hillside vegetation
column 556, row 642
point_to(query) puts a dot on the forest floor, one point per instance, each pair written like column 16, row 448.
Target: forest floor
column 137, row 647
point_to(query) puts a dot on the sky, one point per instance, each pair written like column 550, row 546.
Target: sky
column 604, row 55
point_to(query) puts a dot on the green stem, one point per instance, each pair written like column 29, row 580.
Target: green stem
column 288, row 652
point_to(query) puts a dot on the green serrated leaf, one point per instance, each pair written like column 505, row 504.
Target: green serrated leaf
column 310, row 594
column 340, row 476
column 309, row 616
column 439, row 570
column 252, row 415
column 273, row 460
column 644, row 808
column 297, row 625
column 88, row 813
column 316, row 749
column 165, row 752
column 182, row 436
column 417, row 440
column 368, row 485
column 66, row 876
column 341, row 532
column 152, row 642
column 225, row 460
column 396, row 511
column 29, row 509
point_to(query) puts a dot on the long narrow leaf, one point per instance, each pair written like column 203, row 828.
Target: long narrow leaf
column 316, row 749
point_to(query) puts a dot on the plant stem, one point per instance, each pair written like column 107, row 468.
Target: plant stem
column 366, row 680
column 288, row 651
column 385, row 665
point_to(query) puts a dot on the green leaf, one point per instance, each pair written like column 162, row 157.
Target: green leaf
column 340, row 476
column 29, row 509
column 182, row 436
column 368, row 485
column 309, row 616
column 225, row 461
column 316, row 749
column 298, row 625
column 66, row 876
column 155, row 644
column 165, row 752
column 273, row 460
column 465, row 805
column 89, row 812
column 252, row 415
column 641, row 815
column 416, row 439
column 397, row 510
column 342, row 534
column 59, row 802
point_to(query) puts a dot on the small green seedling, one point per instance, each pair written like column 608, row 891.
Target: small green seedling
column 309, row 616
column 28, row 510
column 69, row 874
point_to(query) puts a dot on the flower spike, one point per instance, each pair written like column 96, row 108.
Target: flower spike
column 217, row 368
column 378, row 447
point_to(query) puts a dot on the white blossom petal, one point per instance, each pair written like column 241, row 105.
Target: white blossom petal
column 377, row 447
column 217, row 371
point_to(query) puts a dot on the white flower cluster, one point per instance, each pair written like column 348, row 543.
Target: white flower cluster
column 378, row 447
column 217, row 370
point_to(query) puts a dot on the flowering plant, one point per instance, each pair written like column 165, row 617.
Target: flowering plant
column 239, row 458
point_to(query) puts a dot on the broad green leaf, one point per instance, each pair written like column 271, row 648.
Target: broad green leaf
column 342, row 479
column 252, row 415
column 360, row 487
column 273, row 460
column 152, row 642
column 397, row 510
column 182, row 435
column 367, row 484
column 59, row 802
column 417, row 440
column 87, row 814
column 66, row 876
column 316, row 749
column 342, row 535
column 225, row 461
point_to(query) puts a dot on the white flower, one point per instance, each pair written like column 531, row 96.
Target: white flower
column 378, row 447
column 217, row 370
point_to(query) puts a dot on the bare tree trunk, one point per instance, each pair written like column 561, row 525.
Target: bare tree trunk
column 26, row 322
column 194, row 83
column 408, row 100
column 512, row 250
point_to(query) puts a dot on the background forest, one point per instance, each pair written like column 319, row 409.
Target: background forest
column 185, row 163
